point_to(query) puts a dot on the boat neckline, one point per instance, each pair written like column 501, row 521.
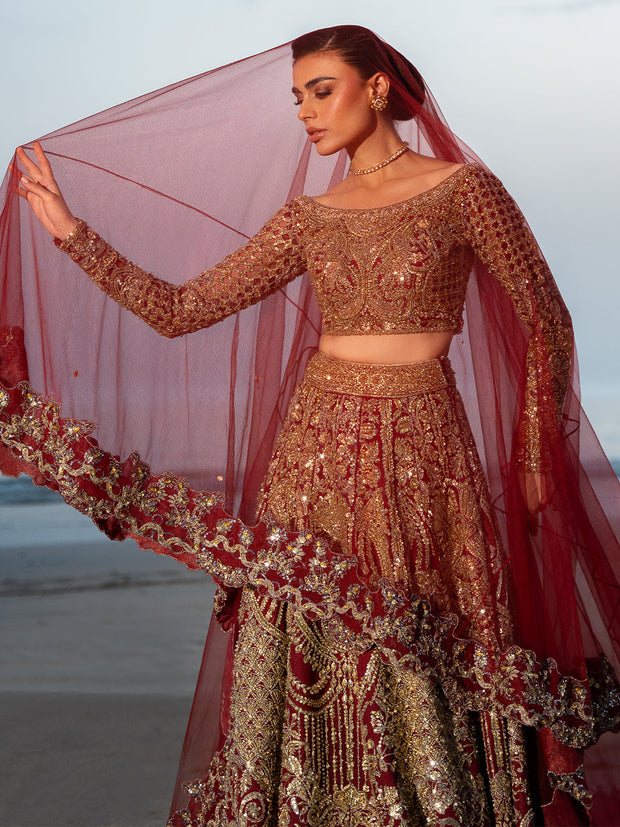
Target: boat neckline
column 411, row 198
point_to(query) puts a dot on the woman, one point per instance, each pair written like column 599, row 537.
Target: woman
column 411, row 642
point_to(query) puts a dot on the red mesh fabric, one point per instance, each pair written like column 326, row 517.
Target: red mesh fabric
column 180, row 177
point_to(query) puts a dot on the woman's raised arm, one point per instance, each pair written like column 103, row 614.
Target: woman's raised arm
column 269, row 260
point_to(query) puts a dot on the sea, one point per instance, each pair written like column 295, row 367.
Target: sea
column 48, row 548
column 82, row 614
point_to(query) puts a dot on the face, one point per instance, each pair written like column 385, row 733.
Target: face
column 333, row 101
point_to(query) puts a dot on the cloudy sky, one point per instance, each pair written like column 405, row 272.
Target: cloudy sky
column 532, row 85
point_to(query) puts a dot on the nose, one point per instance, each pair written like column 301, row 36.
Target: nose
column 305, row 111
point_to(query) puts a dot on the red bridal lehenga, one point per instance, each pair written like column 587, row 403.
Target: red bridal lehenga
column 397, row 639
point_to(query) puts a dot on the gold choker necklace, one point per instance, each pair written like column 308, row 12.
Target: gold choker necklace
column 402, row 149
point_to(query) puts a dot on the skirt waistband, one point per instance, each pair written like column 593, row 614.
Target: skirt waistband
column 362, row 379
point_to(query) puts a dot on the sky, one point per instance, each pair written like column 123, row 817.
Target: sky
column 532, row 85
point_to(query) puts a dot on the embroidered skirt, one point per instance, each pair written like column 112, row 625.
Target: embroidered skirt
column 381, row 460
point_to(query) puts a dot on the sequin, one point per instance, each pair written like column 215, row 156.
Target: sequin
column 378, row 426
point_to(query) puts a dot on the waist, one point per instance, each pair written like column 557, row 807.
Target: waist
column 371, row 379
column 387, row 349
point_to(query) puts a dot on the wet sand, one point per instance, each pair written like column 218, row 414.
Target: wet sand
column 100, row 645
column 89, row 760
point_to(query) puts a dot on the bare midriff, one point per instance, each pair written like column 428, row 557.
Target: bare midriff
column 389, row 349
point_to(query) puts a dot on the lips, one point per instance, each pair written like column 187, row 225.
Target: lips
column 316, row 134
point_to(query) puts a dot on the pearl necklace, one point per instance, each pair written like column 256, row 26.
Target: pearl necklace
column 402, row 149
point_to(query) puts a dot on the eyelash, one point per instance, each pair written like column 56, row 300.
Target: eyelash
column 317, row 94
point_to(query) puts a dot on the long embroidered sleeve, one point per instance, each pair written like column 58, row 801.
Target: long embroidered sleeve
column 273, row 257
column 501, row 238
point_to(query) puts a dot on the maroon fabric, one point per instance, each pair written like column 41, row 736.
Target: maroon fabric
column 204, row 728
column 180, row 177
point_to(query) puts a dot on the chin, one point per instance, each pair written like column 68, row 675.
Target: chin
column 326, row 149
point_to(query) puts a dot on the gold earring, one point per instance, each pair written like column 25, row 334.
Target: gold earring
column 378, row 103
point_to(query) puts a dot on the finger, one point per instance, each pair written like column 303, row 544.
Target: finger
column 47, row 176
column 44, row 164
column 34, row 187
column 31, row 168
column 28, row 187
column 20, row 190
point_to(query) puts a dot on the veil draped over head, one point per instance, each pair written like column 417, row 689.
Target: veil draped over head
column 177, row 179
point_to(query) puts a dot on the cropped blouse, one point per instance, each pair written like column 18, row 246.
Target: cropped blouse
column 401, row 268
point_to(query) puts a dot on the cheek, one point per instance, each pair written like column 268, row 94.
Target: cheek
column 352, row 111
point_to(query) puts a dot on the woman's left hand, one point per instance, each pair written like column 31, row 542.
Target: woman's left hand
column 535, row 491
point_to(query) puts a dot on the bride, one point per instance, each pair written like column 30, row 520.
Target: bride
column 419, row 587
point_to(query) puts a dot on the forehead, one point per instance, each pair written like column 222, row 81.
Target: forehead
column 321, row 65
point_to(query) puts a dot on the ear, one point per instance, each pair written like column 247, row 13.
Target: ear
column 379, row 84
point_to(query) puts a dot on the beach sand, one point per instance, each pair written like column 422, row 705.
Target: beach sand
column 100, row 645
column 89, row 760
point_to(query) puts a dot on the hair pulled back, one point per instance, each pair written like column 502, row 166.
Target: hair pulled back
column 365, row 51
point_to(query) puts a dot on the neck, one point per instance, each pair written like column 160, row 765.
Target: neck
column 375, row 148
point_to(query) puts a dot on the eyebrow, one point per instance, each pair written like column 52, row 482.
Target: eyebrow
column 311, row 83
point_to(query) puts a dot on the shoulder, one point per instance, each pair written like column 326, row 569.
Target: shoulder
column 477, row 188
column 303, row 211
column 474, row 173
column 484, row 209
column 297, row 211
column 476, row 177
column 288, row 214
column 294, row 221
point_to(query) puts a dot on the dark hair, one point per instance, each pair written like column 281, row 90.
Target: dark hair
column 366, row 52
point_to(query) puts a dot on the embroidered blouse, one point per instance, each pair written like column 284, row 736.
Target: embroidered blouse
column 401, row 268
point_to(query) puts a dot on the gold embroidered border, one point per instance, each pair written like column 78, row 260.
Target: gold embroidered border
column 392, row 381
column 163, row 513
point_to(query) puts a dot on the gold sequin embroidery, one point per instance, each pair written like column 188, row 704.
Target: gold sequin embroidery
column 397, row 269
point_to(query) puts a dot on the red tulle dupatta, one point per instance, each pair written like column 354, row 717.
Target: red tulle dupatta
column 177, row 179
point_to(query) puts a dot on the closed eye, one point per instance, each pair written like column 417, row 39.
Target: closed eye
column 322, row 94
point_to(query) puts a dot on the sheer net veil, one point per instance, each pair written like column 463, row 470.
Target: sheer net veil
column 178, row 178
